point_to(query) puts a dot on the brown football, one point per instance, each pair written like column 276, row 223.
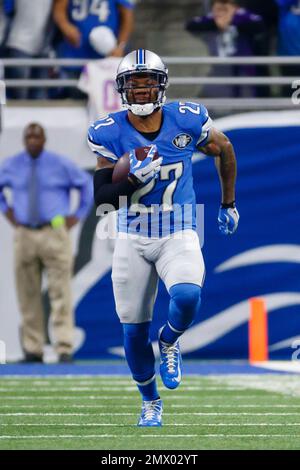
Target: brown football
column 122, row 167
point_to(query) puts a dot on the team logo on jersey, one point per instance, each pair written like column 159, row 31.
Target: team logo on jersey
column 182, row 140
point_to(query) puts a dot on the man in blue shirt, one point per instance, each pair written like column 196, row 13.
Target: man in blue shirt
column 40, row 182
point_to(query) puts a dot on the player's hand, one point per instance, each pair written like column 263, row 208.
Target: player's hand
column 11, row 217
column 71, row 220
column 143, row 171
column 118, row 51
column 228, row 220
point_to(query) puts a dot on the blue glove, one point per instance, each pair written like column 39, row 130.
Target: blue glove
column 228, row 220
column 145, row 170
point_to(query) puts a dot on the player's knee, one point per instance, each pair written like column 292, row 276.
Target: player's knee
column 186, row 296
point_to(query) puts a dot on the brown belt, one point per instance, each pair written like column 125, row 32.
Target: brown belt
column 36, row 227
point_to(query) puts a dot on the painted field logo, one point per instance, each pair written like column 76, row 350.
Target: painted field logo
column 2, row 352
column 182, row 140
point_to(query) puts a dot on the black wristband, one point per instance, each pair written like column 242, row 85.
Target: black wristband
column 230, row 205
column 134, row 180
column 105, row 192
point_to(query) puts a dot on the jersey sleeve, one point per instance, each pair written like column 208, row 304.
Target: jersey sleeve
column 102, row 136
column 127, row 3
column 206, row 125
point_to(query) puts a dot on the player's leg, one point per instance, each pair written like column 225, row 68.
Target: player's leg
column 135, row 287
column 180, row 265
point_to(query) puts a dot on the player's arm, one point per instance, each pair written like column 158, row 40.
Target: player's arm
column 126, row 29
column 140, row 173
column 105, row 192
column 225, row 161
column 219, row 146
column 61, row 19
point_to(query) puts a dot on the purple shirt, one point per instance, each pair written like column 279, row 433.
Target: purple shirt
column 238, row 36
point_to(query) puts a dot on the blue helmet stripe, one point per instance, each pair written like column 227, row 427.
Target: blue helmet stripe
column 141, row 57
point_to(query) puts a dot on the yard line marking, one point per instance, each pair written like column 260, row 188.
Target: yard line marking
column 94, row 436
column 166, row 424
column 134, row 406
column 126, row 389
column 122, row 397
column 166, row 414
column 98, row 436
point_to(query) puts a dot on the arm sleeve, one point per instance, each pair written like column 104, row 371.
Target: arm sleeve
column 82, row 181
column 127, row 3
column 100, row 149
column 105, row 192
column 3, row 183
column 201, row 24
column 248, row 23
column 207, row 124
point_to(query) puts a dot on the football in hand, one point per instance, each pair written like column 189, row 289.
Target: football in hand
column 122, row 167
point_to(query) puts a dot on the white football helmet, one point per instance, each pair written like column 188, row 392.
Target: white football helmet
column 142, row 63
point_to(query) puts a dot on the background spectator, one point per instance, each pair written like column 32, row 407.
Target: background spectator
column 234, row 31
column 76, row 20
column 269, row 12
column 28, row 37
column 3, row 25
column 289, row 38
column 40, row 182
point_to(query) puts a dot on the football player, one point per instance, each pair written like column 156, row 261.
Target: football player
column 157, row 190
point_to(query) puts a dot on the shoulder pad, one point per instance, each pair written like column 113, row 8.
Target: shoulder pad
column 104, row 135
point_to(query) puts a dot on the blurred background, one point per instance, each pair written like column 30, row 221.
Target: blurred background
column 241, row 60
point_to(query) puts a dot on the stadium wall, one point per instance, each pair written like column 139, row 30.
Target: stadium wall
column 261, row 259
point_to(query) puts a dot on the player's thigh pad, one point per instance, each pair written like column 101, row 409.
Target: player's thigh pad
column 134, row 283
column 180, row 260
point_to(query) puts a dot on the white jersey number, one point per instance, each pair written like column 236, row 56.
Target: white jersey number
column 82, row 8
column 167, row 198
column 189, row 106
column 105, row 122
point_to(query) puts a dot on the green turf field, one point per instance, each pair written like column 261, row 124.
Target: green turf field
column 215, row 412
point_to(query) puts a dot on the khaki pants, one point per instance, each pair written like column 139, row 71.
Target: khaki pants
column 35, row 250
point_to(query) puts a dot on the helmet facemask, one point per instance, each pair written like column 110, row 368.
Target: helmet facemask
column 142, row 97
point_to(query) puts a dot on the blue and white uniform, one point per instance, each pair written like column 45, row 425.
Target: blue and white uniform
column 86, row 15
column 175, row 256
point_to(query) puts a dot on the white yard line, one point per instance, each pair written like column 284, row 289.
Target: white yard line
column 117, row 389
column 83, row 425
column 95, row 436
column 288, row 385
column 134, row 397
column 135, row 405
column 166, row 414
column 134, row 436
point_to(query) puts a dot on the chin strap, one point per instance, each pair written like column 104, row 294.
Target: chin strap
column 142, row 109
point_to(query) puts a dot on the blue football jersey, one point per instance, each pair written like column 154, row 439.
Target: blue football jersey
column 166, row 204
column 86, row 15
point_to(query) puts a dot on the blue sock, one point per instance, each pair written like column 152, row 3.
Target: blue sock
column 184, row 304
column 140, row 358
